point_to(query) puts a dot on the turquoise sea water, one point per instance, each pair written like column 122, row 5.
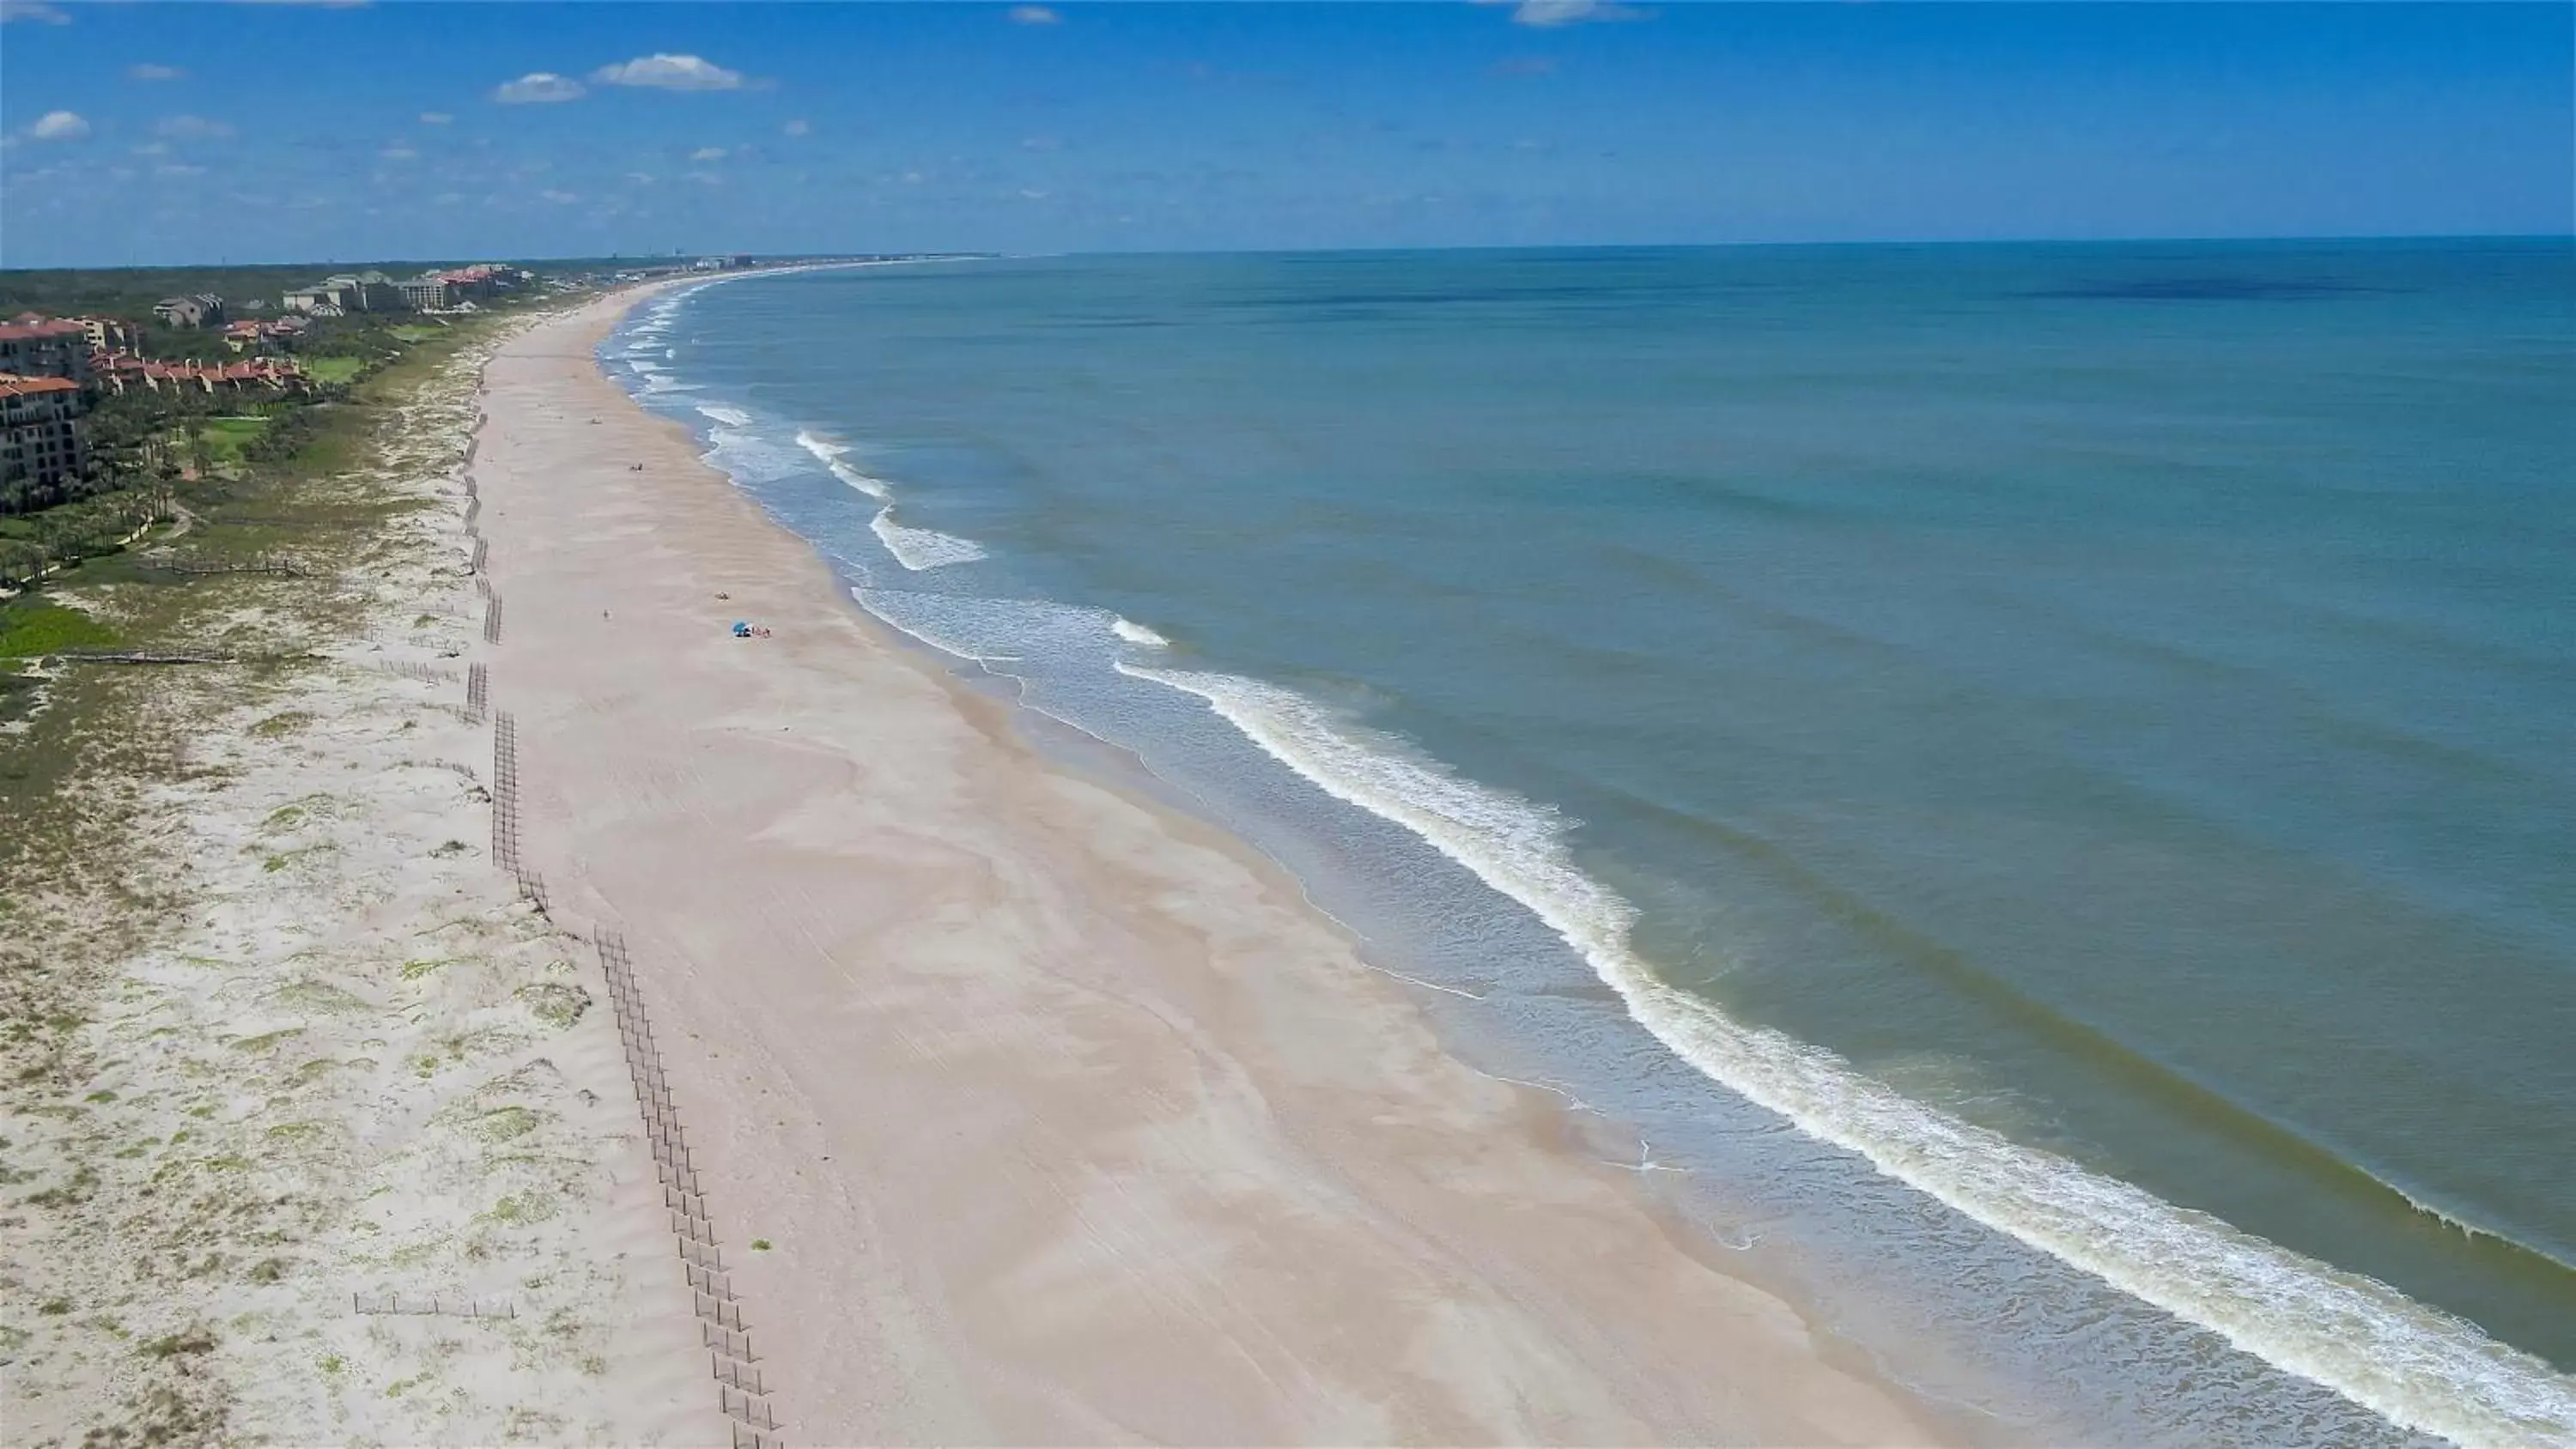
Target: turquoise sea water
column 2042, row 780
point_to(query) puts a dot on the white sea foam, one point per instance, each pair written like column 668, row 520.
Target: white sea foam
column 730, row 417
column 1135, row 633
column 818, row 445
column 991, row 630
column 922, row 548
column 2408, row 1362
column 873, row 487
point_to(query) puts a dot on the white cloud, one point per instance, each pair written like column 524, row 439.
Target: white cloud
column 153, row 148
column 58, row 126
column 32, row 10
column 398, row 152
column 560, row 198
column 147, row 71
column 1041, row 143
column 537, row 88
column 191, row 128
column 435, row 118
column 671, row 73
column 1548, row 14
column 639, row 178
column 706, row 178
column 708, row 153
column 1034, row 15
column 174, row 169
column 797, row 128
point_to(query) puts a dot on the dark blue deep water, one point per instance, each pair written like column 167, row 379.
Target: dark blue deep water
column 2042, row 780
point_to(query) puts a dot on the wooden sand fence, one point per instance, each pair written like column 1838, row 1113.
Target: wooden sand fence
column 742, row 1387
column 444, row 1305
column 505, row 812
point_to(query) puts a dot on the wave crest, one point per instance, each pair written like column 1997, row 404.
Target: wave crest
column 2412, row 1364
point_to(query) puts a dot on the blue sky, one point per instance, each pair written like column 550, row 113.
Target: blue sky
column 157, row 133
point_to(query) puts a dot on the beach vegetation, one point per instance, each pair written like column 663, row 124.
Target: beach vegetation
column 556, row 1003
column 190, row 1341
column 503, row 1123
column 31, row 626
column 519, row 1209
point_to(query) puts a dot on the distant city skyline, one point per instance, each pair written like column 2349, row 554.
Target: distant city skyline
column 147, row 134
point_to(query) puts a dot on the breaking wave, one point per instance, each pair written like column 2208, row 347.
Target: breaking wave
column 921, row 548
column 2412, row 1364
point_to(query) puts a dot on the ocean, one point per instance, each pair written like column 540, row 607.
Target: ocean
column 2039, row 781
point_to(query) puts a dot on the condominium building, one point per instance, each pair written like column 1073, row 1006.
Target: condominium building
column 34, row 346
column 40, row 442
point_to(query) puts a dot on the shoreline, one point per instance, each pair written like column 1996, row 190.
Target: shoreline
column 1237, row 1159
column 2149, row 1258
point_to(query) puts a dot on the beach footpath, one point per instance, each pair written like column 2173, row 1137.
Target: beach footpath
column 314, row 1127
column 1008, row 1106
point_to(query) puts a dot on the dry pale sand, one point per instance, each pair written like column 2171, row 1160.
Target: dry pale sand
column 1065, row 1119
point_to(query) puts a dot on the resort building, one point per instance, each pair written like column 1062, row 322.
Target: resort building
column 40, row 442
column 202, row 310
column 121, row 373
column 313, row 302
column 345, row 293
column 106, row 334
column 430, row 292
column 34, row 346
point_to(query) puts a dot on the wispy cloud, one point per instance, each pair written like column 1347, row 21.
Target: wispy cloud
column 147, row 71
column 797, row 128
column 671, row 73
column 398, row 152
column 33, row 11
column 1525, row 65
column 435, row 118
column 173, row 168
column 1035, row 15
column 58, row 126
column 1549, row 14
column 1041, row 143
column 708, row 153
column 560, row 198
column 538, row 88
column 192, row 128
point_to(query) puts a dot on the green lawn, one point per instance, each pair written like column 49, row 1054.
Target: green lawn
column 416, row 332
column 30, row 626
column 331, row 369
column 226, row 437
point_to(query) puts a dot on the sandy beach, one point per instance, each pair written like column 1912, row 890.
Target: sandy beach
column 1028, row 1111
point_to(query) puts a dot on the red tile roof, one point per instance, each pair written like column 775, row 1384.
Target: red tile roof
column 12, row 385
column 40, row 328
